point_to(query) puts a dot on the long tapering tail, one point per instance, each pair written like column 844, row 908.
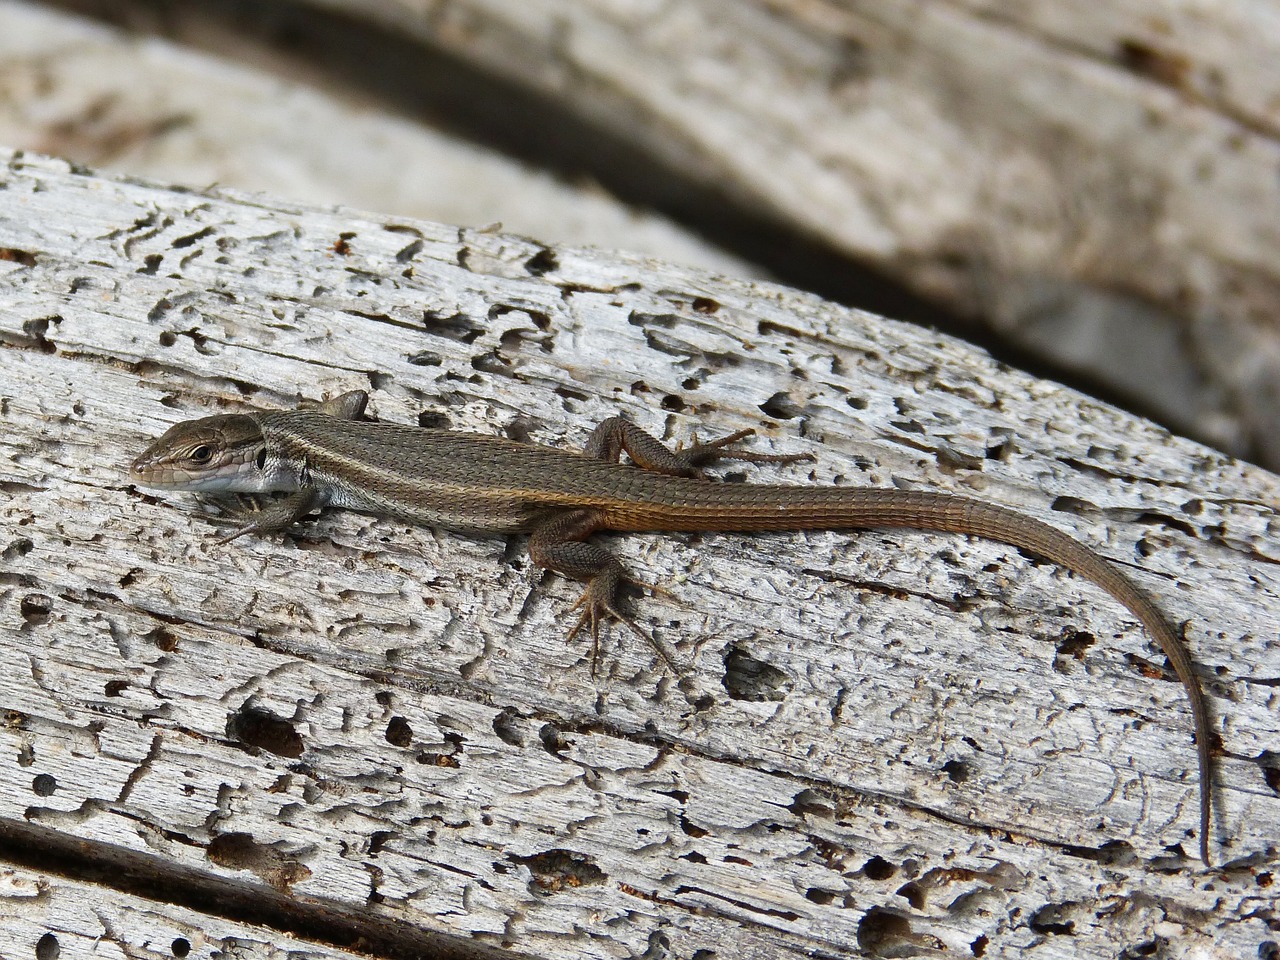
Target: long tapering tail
column 701, row 506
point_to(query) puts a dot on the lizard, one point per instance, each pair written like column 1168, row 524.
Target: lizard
column 331, row 456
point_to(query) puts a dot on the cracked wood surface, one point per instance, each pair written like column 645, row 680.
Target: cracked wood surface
column 143, row 106
column 882, row 742
column 72, row 918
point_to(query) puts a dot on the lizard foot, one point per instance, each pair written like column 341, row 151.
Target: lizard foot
column 700, row 452
column 598, row 603
column 249, row 513
column 236, row 513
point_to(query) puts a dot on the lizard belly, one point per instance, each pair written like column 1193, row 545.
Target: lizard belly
column 462, row 512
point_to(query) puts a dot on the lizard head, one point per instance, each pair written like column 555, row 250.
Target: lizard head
column 223, row 454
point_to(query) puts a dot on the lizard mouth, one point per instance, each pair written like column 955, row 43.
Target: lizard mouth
column 158, row 474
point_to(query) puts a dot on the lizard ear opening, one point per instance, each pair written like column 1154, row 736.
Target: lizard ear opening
column 260, row 461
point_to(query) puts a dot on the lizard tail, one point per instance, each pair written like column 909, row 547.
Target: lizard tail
column 750, row 508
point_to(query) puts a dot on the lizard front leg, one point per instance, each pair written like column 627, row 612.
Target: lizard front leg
column 276, row 515
column 559, row 543
column 617, row 434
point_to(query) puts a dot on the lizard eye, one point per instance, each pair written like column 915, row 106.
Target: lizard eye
column 201, row 454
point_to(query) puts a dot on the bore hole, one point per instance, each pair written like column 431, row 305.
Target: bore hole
column 44, row 785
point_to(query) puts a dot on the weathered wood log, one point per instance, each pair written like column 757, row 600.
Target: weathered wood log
column 67, row 917
column 882, row 742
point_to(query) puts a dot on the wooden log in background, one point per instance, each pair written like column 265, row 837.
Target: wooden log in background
column 881, row 743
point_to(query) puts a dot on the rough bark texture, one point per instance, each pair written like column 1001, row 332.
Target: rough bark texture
column 887, row 743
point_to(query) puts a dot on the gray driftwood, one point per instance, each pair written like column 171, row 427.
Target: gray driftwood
column 61, row 917
column 887, row 743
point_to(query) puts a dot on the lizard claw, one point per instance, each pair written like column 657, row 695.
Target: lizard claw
column 237, row 513
column 702, row 446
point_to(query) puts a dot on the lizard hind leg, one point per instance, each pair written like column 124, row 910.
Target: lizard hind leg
column 558, row 543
